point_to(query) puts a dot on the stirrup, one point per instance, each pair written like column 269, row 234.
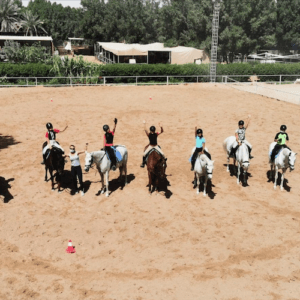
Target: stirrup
column 142, row 165
column 114, row 168
column 43, row 162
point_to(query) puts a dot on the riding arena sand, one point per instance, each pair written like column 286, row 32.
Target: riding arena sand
column 238, row 243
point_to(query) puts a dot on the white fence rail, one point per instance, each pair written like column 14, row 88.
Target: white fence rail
column 137, row 80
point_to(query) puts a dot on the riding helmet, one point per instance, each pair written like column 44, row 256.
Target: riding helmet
column 105, row 127
column 241, row 122
column 199, row 131
column 283, row 127
column 49, row 126
column 152, row 128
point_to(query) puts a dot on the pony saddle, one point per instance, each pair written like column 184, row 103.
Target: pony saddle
column 152, row 150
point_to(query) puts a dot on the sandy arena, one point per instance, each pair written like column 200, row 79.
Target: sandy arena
column 238, row 243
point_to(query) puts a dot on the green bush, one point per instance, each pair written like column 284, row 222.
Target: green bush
column 24, row 70
column 83, row 70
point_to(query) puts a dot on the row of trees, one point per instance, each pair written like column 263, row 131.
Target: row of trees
column 245, row 25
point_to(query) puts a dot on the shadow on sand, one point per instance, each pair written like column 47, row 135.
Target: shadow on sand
column 4, row 189
column 115, row 184
column 6, row 141
column 285, row 181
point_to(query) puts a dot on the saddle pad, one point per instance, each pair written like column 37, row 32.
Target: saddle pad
column 276, row 154
column 118, row 155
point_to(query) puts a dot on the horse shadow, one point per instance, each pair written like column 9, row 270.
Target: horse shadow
column 163, row 187
column 285, row 181
column 6, row 141
column 4, row 189
column 233, row 173
column 66, row 183
column 210, row 193
column 115, row 184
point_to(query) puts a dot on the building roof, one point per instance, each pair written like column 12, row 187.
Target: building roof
column 25, row 38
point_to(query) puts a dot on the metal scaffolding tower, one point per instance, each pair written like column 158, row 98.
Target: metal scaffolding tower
column 214, row 41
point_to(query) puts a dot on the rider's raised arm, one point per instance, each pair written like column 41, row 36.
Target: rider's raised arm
column 276, row 137
column 161, row 128
column 115, row 121
column 145, row 128
column 196, row 131
column 64, row 129
column 248, row 121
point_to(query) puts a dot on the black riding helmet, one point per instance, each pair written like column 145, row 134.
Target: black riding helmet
column 105, row 127
column 199, row 131
column 283, row 127
column 152, row 128
column 241, row 122
column 49, row 126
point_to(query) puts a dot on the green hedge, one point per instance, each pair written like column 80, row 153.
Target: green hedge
column 25, row 70
column 42, row 70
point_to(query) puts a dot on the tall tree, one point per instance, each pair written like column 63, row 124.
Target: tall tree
column 9, row 15
column 288, row 25
column 31, row 23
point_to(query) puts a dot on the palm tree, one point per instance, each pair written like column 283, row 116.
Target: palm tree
column 8, row 15
column 31, row 23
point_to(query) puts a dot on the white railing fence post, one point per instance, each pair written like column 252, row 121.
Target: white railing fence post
column 167, row 80
column 104, row 81
column 136, row 80
column 280, row 79
column 35, row 81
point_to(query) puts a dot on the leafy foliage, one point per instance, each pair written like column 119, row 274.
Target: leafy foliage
column 29, row 54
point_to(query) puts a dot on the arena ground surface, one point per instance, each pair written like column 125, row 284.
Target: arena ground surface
column 237, row 243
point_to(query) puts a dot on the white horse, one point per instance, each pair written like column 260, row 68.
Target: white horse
column 103, row 165
column 203, row 167
column 242, row 157
column 286, row 159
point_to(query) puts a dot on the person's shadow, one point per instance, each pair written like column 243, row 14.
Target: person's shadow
column 285, row 181
column 4, row 189
column 66, row 183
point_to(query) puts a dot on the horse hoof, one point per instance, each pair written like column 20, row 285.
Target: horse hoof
column 102, row 192
column 59, row 192
column 197, row 193
column 204, row 195
column 274, row 187
column 107, row 195
column 281, row 189
column 52, row 190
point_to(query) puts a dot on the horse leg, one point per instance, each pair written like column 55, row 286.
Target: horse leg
column 245, row 176
column 121, row 171
column 58, row 186
column 228, row 159
column 150, row 181
column 276, row 176
column 102, row 182
column 204, row 188
column 271, row 172
column 51, row 177
column 107, row 183
column 282, row 179
column 238, row 173
column 125, row 173
column 197, row 182
column 46, row 171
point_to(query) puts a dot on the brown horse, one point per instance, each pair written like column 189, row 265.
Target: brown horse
column 156, row 166
column 54, row 161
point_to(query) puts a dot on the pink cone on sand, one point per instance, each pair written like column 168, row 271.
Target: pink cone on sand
column 70, row 248
column 150, row 98
column 51, row 100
